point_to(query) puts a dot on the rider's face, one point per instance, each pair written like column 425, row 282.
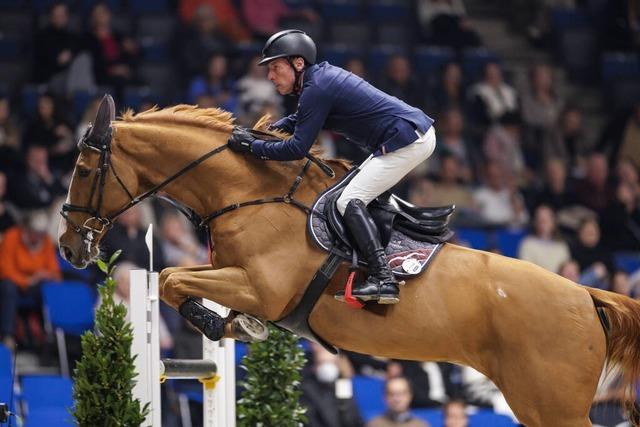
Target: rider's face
column 281, row 75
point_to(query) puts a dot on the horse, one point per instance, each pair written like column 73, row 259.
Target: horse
column 536, row 335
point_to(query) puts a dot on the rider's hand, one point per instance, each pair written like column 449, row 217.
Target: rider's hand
column 241, row 140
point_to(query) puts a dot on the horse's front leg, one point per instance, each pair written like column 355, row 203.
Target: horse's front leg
column 228, row 286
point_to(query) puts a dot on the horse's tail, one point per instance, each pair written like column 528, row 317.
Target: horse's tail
column 623, row 337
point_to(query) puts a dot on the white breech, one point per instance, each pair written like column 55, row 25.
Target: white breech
column 378, row 174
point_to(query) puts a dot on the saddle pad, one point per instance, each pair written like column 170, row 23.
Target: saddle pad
column 407, row 257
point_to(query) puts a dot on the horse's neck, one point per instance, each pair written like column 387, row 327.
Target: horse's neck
column 224, row 179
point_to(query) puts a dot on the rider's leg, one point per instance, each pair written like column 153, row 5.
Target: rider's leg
column 377, row 175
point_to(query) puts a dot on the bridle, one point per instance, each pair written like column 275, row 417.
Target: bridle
column 98, row 223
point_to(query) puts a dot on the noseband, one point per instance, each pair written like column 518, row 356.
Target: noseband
column 97, row 223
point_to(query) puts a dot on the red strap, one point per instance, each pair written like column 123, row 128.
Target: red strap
column 348, row 296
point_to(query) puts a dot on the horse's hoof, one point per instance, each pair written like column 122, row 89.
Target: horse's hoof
column 247, row 328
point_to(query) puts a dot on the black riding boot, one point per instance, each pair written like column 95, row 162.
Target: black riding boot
column 381, row 285
column 208, row 322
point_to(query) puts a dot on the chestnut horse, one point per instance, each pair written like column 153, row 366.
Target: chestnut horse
column 537, row 335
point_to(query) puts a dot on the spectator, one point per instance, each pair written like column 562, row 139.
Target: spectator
column 9, row 136
column 264, row 17
column 444, row 23
column 503, row 145
column 570, row 270
column 37, row 186
column 128, row 234
column 8, row 214
column 255, row 90
column 199, row 41
column 216, row 83
column 595, row 277
column 50, row 130
column 627, row 173
column 114, row 54
column 498, row 201
column 356, row 66
column 589, row 252
column 492, row 97
column 449, row 188
column 541, row 103
column 595, row 190
column 179, row 244
column 400, row 82
column 621, row 220
column 327, row 391
column 620, row 137
column 449, row 92
column 455, row 414
column 55, row 47
column 225, row 13
column 567, row 142
column 121, row 275
column 453, row 141
column 620, row 283
column 397, row 396
column 430, row 382
column 27, row 258
column 544, row 247
column 556, row 192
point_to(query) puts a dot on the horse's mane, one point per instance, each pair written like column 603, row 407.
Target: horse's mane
column 211, row 118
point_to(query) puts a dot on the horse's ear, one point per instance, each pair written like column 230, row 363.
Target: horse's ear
column 105, row 115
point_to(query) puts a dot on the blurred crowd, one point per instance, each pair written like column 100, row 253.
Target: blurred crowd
column 512, row 154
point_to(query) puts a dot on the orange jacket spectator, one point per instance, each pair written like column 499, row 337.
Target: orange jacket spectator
column 24, row 265
column 226, row 15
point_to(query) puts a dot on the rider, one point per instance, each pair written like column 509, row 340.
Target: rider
column 400, row 137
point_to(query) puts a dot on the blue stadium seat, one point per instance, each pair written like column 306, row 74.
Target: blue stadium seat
column 59, row 296
column 509, row 241
column 146, row 6
column 430, row 60
column 315, row 30
column 6, row 363
column 30, row 94
column 134, row 96
column 389, row 11
column 343, row 10
column 476, row 238
column 354, row 33
column 616, row 65
column 154, row 51
column 80, row 100
column 578, row 50
column 490, row 419
column 160, row 27
column 627, row 261
column 47, row 391
column 474, row 61
column 9, row 49
column 391, row 33
column 339, row 54
column 563, row 19
column 368, row 393
column 432, row 416
column 50, row 417
column 379, row 56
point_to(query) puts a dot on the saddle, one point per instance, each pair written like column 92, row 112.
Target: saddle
column 411, row 235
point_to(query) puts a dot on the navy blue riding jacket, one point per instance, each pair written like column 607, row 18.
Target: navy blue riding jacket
column 338, row 100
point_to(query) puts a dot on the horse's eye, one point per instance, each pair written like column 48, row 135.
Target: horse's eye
column 83, row 173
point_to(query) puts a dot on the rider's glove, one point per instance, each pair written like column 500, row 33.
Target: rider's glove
column 241, row 140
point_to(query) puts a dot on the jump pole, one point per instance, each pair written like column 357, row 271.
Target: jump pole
column 216, row 370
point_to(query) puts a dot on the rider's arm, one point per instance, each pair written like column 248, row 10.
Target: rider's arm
column 313, row 109
column 286, row 124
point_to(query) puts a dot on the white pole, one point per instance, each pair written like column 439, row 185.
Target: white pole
column 220, row 404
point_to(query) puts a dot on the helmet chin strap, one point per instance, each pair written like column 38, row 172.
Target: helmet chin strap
column 297, row 85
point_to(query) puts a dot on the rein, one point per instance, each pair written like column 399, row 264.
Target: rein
column 89, row 230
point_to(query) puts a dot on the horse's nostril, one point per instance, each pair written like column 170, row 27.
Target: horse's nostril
column 67, row 253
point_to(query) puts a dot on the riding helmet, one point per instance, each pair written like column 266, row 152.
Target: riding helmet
column 289, row 43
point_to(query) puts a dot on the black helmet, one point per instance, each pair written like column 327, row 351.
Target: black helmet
column 289, row 43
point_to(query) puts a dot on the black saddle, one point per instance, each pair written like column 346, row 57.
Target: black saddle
column 404, row 228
